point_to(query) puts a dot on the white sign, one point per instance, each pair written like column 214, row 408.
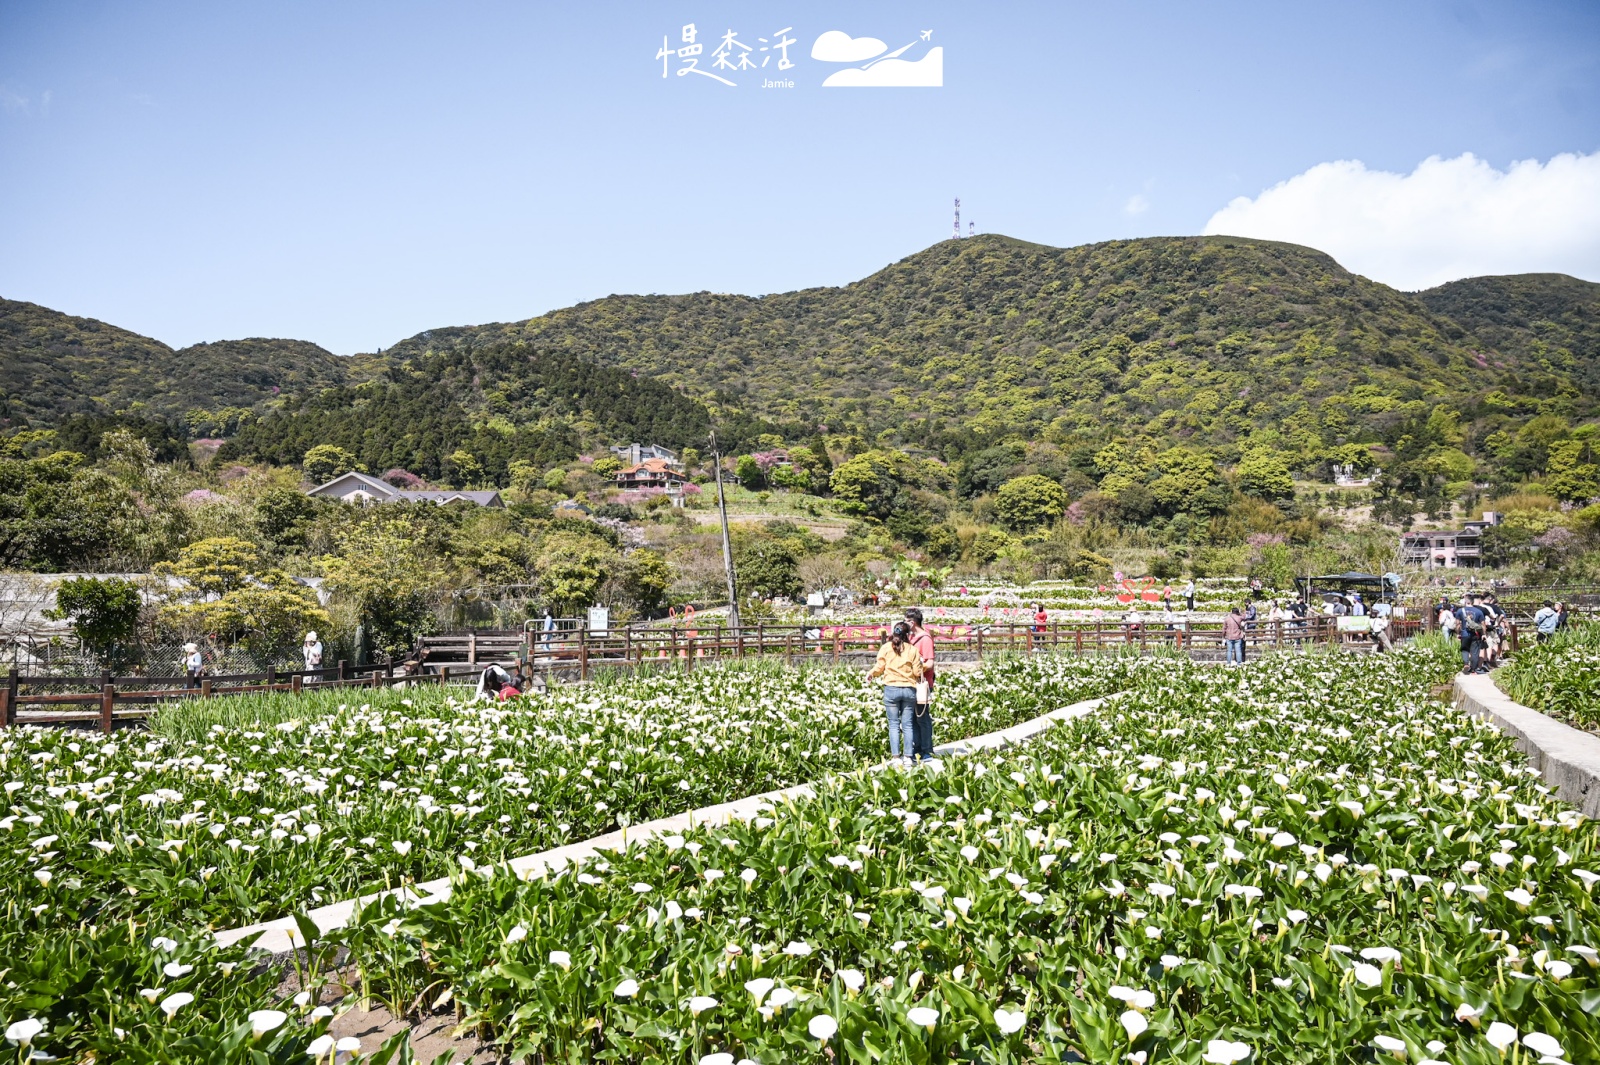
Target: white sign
column 600, row 619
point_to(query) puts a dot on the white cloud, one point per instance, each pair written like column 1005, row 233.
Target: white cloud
column 1136, row 205
column 1447, row 219
column 927, row 72
column 837, row 46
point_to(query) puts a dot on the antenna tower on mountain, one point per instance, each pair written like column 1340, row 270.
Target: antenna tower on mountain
column 972, row 229
column 957, row 233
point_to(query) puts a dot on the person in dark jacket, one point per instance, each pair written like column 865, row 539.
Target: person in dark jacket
column 1472, row 623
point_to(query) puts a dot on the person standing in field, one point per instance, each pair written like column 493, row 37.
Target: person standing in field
column 193, row 665
column 1233, row 636
column 902, row 670
column 1188, row 595
column 1544, row 621
column 311, row 651
column 1041, row 623
column 922, row 717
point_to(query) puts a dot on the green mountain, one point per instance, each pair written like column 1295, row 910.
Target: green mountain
column 1210, row 343
column 1548, row 321
column 1203, row 339
column 53, row 365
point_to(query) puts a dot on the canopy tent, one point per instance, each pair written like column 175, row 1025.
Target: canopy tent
column 1372, row 586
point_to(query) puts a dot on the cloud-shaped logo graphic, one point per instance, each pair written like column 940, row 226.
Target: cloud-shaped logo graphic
column 927, row 72
column 837, row 46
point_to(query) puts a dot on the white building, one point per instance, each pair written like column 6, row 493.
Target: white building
column 359, row 488
column 635, row 454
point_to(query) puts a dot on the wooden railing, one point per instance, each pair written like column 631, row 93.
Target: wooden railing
column 584, row 652
column 106, row 700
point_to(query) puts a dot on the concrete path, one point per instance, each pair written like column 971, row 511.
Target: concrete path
column 1568, row 758
column 282, row 935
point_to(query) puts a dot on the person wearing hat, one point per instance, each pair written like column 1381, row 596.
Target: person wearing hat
column 193, row 665
column 312, row 650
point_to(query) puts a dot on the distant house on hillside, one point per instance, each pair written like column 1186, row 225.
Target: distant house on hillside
column 634, row 454
column 1445, row 549
column 359, row 488
column 651, row 473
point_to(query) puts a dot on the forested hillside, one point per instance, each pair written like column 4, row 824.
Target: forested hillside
column 1548, row 323
column 1209, row 339
column 498, row 403
column 53, row 365
column 1214, row 343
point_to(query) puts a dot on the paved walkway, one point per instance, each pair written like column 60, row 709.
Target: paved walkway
column 1568, row 758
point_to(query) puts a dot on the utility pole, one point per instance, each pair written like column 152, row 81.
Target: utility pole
column 727, row 544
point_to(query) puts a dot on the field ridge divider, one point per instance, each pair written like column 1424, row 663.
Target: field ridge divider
column 281, row 935
column 1567, row 758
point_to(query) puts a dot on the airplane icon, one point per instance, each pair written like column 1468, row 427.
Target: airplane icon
column 927, row 35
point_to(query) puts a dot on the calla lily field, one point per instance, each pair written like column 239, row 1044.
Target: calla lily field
column 1308, row 859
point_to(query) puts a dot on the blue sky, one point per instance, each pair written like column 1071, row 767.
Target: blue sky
column 353, row 173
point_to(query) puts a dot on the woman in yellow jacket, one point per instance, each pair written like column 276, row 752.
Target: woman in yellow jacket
column 901, row 668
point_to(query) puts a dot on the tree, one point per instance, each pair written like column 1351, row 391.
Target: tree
column 326, row 461
column 466, row 468
column 383, row 573
column 767, row 567
column 1183, row 475
column 283, row 516
column 988, row 469
column 214, row 567
column 1025, row 503
column 1266, row 476
column 572, row 567
column 223, row 588
column 866, row 486
column 749, row 472
column 55, row 515
column 644, row 579
column 792, row 477
column 1567, row 477
column 104, row 613
column 607, row 467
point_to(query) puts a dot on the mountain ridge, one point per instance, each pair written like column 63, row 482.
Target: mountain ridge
column 1221, row 342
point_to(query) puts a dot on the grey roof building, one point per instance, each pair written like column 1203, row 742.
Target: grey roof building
column 359, row 488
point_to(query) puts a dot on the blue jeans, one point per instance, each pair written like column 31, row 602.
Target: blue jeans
column 1235, row 651
column 899, row 705
column 922, row 732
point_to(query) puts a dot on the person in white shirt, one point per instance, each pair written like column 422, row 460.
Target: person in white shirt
column 193, row 665
column 311, row 650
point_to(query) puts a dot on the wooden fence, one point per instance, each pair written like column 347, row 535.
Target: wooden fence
column 106, row 700
column 583, row 652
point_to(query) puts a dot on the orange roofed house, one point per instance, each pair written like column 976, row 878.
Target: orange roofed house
column 657, row 474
